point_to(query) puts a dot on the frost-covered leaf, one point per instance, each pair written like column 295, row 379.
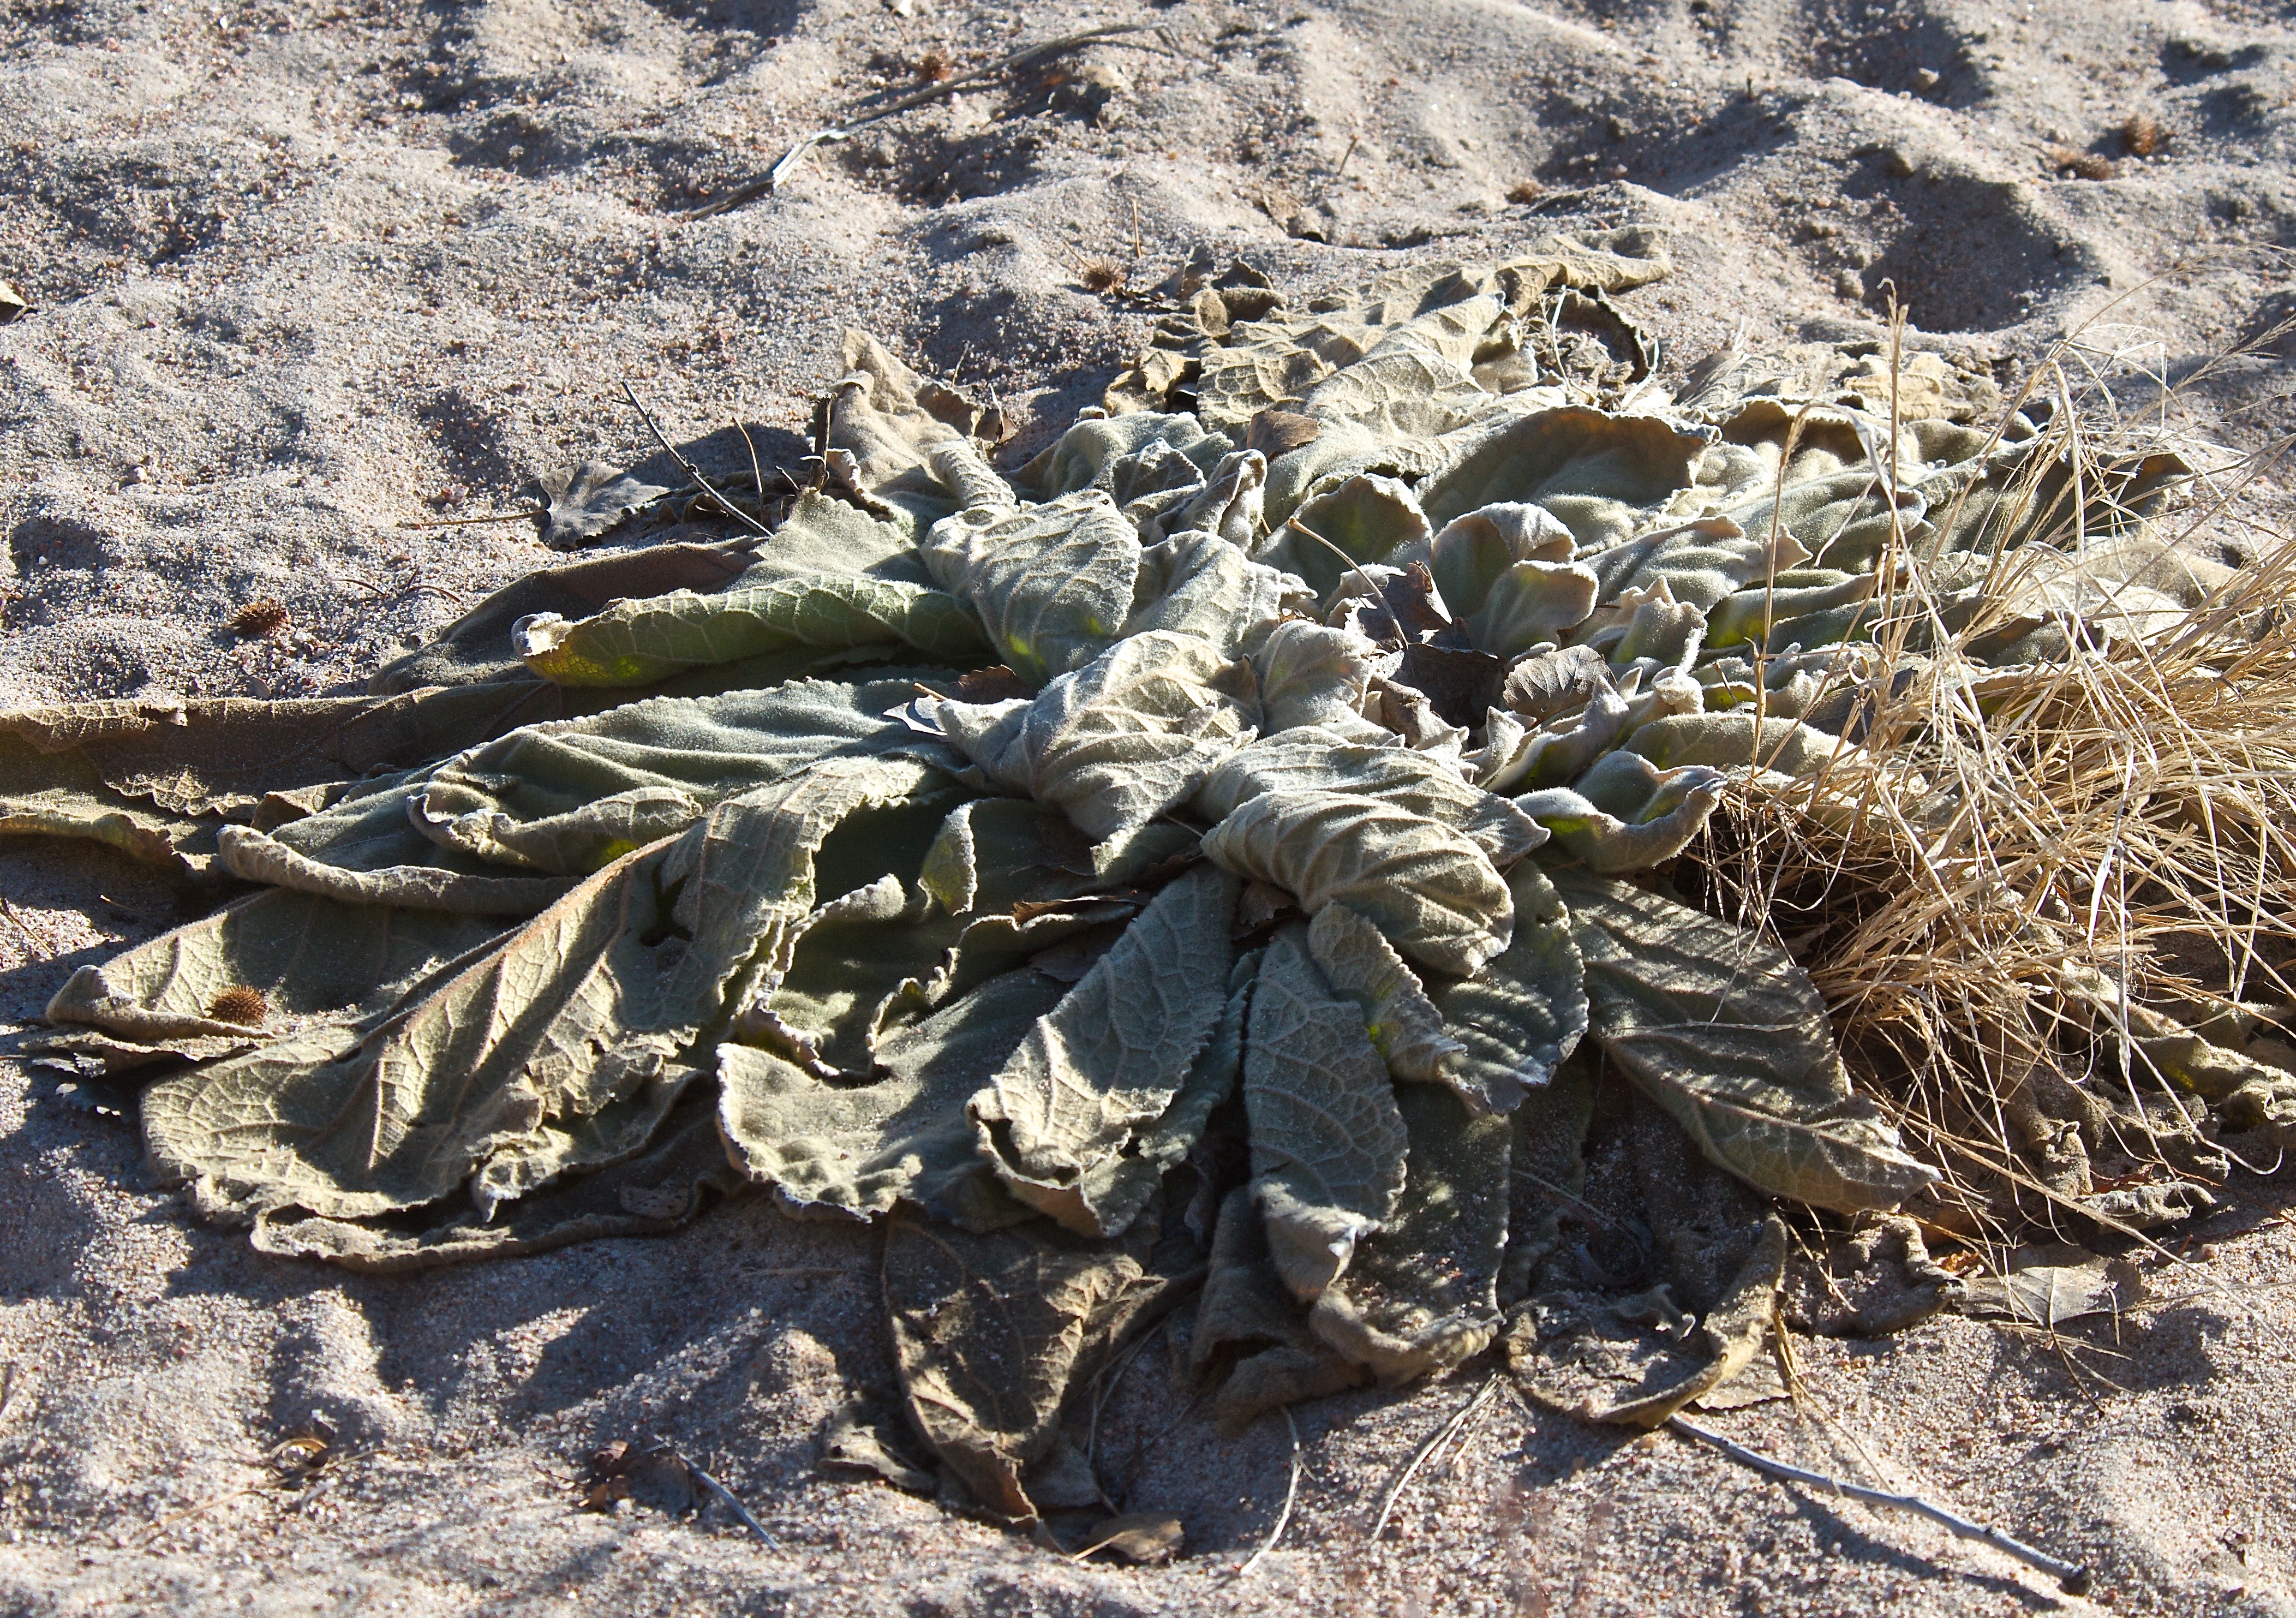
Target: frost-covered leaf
column 1366, row 519
column 1727, row 1034
column 1743, row 740
column 1807, row 606
column 863, row 1148
column 1308, row 760
column 560, row 1045
column 1474, row 550
column 1112, row 1056
column 1625, row 814
column 1699, row 562
column 991, row 1332
column 568, row 795
column 432, row 884
column 1327, row 1143
column 1416, row 378
column 1602, row 475
column 823, row 534
column 663, row 1183
column 1429, row 888
column 634, row 643
column 891, row 421
column 1087, row 455
column 589, row 500
column 1119, row 742
column 1311, row 675
column 1404, row 1025
column 1423, row 1292
column 1118, row 1188
column 1201, row 584
column 475, row 651
column 1529, row 603
column 1517, row 1019
column 309, row 958
column 1052, row 583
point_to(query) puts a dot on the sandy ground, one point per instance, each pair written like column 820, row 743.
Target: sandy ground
column 303, row 273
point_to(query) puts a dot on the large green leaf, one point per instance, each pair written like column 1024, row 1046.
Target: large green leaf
column 864, row 1148
column 570, row 795
column 1312, row 675
column 1327, row 1143
column 1308, row 760
column 1430, row 889
column 1727, row 1034
column 1200, row 584
column 1117, row 742
column 1603, row 476
column 635, row 642
column 1423, row 1292
column 1405, row 1027
column 1111, row 1058
column 1518, row 1018
column 1053, row 584
column 506, row 1074
column 310, row 960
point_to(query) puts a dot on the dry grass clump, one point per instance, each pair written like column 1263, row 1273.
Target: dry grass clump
column 2024, row 877
column 257, row 618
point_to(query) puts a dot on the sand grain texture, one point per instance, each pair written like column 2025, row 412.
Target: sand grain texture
column 304, row 273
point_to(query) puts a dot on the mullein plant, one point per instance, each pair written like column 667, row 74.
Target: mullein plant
column 1234, row 869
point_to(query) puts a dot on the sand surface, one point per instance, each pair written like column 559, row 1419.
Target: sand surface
column 305, row 273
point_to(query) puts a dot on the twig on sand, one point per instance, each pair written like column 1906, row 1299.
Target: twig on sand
column 45, row 949
column 789, row 161
column 2070, row 1576
column 726, row 1497
column 1443, row 1435
column 1290, row 1494
column 1103, row 1389
column 686, row 466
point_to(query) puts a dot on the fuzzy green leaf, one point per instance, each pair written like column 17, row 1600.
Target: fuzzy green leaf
column 1726, row 1034
column 1327, row 1143
column 1430, row 889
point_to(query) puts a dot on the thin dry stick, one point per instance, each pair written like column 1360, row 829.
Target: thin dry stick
column 1378, row 595
column 726, row 1497
column 1290, row 1493
column 686, row 466
column 2070, row 1576
column 39, row 944
column 1459, row 1418
column 789, row 161
column 757, row 474
column 1103, row 1390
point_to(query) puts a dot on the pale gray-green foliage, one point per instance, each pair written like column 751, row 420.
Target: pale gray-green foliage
column 635, row 643
column 1112, row 1056
column 1726, row 1032
column 1327, row 1141
column 1431, row 889
column 970, row 944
